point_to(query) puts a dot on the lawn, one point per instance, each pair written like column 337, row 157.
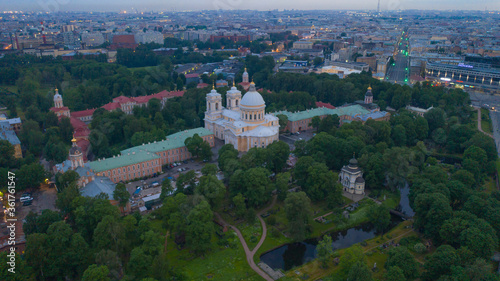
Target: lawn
column 486, row 122
column 251, row 233
column 221, row 263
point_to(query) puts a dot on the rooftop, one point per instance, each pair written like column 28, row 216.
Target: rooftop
column 352, row 110
column 6, row 133
column 172, row 141
column 98, row 186
column 122, row 160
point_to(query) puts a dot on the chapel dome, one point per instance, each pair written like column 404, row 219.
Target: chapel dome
column 252, row 98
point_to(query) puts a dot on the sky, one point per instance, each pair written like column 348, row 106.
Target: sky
column 177, row 5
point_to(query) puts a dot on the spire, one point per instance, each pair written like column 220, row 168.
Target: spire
column 369, row 87
column 73, row 140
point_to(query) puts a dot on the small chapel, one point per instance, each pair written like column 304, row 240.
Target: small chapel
column 351, row 178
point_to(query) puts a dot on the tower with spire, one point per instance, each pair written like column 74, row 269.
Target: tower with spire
column 245, row 76
column 58, row 101
column 75, row 155
column 233, row 98
column 369, row 96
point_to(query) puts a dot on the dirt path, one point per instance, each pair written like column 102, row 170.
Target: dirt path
column 479, row 123
column 250, row 253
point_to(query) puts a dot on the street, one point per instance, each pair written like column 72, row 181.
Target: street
column 480, row 100
column 398, row 72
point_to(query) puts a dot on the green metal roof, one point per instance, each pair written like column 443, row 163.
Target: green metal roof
column 172, row 141
column 351, row 110
column 122, row 161
column 141, row 153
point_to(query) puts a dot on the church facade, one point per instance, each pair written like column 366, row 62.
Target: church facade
column 351, row 178
column 244, row 122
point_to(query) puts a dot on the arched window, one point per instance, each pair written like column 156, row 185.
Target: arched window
column 250, row 116
column 255, row 116
column 236, row 102
column 216, row 106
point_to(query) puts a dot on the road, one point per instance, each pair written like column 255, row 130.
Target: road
column 399, row 71
column 481, row 100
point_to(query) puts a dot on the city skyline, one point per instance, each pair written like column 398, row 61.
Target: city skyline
column 157, row 5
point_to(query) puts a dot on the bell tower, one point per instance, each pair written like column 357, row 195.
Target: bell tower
column 58, row 101
column 245, row 76
column 369, row 96
column 233, row 98
column 75, row 155
column 214, row 106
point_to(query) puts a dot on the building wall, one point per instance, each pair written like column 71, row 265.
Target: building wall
column 181, row 153
column 17, row 151
column 133, row 171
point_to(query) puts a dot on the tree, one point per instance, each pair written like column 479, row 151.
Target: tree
column 349, row 258
column 315, row 122
column 66, row 179
column 139, row 263
column 325, row 250
column 477, row 154
column 317, row 61
column 209, row 169
column 283, row 121
column 96, row 273
column 320, row 181
column 277, row 155
column 431, row 210
column 380, row 217
column 107, row 234
column 359, row 272
column 30, row 176
column 166, row 189
column 121, row 195
column 440, row 263
column 193, row 145
column 200, row 228
column 394, row 273
column 435, row 118
column 239, row 205
column 212, row 188
column 7, row 158
column 298, row 212
column 40, row 223
column 399, row 135
column 402, row 258
column 282, row 186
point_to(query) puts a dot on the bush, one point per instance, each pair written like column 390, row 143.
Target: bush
column 271, row 220
column 363, row 243
column 253, row 239
column 420, row 248
column 409, row 241
column 275, row 232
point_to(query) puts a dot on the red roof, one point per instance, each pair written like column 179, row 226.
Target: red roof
column 58, row 109
column 83, row 113
column 77, row 123
column 202, row 85
column 121, row 39
column 123, row 99
column 84, row 146
column 192, row 75
column 142, row 99
column 111, row 106
column 324, row 104
column 166, row 94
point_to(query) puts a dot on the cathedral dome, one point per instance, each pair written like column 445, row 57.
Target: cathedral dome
column 353, row 162
column 252, row 98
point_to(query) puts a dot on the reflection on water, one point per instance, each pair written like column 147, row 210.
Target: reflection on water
column 404, row 204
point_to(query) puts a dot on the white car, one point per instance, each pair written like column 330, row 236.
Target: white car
column 25, row 198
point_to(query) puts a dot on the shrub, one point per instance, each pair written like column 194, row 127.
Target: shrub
column 363, row 243
column 420, row 248
column 275, row 232
column 271, row 220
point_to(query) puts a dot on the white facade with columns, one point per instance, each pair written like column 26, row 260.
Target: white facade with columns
column 244, row 122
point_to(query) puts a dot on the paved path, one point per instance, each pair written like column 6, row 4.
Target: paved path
column 479, row 123
column 250, row 253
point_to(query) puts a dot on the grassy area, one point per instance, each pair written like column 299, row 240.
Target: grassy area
column 314, row 271
column 221, row 263
column 486, row 121
column 251, row 233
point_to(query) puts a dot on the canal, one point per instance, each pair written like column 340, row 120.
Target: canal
column 295, row 254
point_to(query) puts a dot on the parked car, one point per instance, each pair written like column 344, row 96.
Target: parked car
column 26, row 197
column 185, row 161
column 154, row 184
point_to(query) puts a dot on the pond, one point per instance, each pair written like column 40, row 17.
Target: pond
column 291, row 255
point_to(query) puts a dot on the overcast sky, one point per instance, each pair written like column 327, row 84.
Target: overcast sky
column 179, row 5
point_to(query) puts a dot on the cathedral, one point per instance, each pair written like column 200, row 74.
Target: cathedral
column 351, row 178
column 244, row 122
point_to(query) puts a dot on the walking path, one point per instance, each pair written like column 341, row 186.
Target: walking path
column 250, row 253
column 479, row 123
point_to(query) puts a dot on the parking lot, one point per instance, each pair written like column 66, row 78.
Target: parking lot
column 290, row 139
